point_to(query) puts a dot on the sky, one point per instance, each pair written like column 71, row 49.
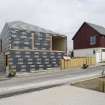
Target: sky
column 62, row 16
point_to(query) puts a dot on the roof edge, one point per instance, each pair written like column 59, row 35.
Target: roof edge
column 79, row 30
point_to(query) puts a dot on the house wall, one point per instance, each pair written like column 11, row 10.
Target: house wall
column 5, row 37
column 23, row 57
column 82, row 46
column 29, row 50
column 88, row 53
column 33, row 60
column 21, row 39
column 82, row 38
column 99, row 53
column 84, row 52
column 102, row 40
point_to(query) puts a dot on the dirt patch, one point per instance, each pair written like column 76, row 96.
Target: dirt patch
column 97, row 84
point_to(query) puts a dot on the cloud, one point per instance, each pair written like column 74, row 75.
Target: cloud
column 63, row 16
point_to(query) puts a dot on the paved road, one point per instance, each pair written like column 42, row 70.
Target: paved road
column 43, row 81
column 49, row 76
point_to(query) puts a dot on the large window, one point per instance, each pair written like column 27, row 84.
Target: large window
column 58, row 43
column 92, row 40
column 45, row 41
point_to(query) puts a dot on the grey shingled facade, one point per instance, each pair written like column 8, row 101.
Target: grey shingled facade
column 28, row 47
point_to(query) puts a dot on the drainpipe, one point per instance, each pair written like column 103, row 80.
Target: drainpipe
column 101, row 55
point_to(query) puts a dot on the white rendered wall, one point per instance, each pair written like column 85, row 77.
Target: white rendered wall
column 83, row 52
column 89, row 52
column 103, row 56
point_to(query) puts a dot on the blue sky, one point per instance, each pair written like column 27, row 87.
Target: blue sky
column 62, row 16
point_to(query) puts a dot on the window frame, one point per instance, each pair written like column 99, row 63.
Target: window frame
column 92, row 40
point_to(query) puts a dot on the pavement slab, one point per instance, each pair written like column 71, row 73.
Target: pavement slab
column 63, row 95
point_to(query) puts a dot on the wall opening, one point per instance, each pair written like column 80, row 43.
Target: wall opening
column 58, row 43
column 6, row 60
column 0, row 45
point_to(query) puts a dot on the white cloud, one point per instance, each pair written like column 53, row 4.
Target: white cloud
column 63, row 16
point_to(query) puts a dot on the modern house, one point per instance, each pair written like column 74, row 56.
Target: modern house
column 90, row 41
column 28, row 47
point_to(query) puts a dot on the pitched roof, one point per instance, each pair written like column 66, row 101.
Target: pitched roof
column 98, row 28
column 26, row 26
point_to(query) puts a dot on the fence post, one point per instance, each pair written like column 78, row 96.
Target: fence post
column 61, row 64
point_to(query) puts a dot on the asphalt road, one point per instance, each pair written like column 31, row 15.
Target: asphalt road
column 50, row 76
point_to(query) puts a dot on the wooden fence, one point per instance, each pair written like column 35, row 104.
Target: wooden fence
column 77, row 62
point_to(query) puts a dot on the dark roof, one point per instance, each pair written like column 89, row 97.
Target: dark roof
column 29, row 27
column 98, row 28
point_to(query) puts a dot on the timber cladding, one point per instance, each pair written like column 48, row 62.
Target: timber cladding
column 30, row 50
column 77, row 62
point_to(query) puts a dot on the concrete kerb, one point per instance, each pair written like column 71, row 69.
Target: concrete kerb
column 35, row 73
column 3, row 78
column 85, row 79
column 26, row 90
column 29, row 74
column 45, row 72
column 38, row 73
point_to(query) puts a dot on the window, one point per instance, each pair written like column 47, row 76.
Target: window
column 92, row 40
column 58, row 43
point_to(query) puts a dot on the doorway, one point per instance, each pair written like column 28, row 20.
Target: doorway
column 6, row 60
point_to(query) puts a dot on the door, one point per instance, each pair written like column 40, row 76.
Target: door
column 6, row 60
column 98, row 57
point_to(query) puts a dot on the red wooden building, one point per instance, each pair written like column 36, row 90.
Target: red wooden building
column 90, row 41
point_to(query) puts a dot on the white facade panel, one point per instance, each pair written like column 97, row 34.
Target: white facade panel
column 94, row 52
column 98, row 57
column 84, row 52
